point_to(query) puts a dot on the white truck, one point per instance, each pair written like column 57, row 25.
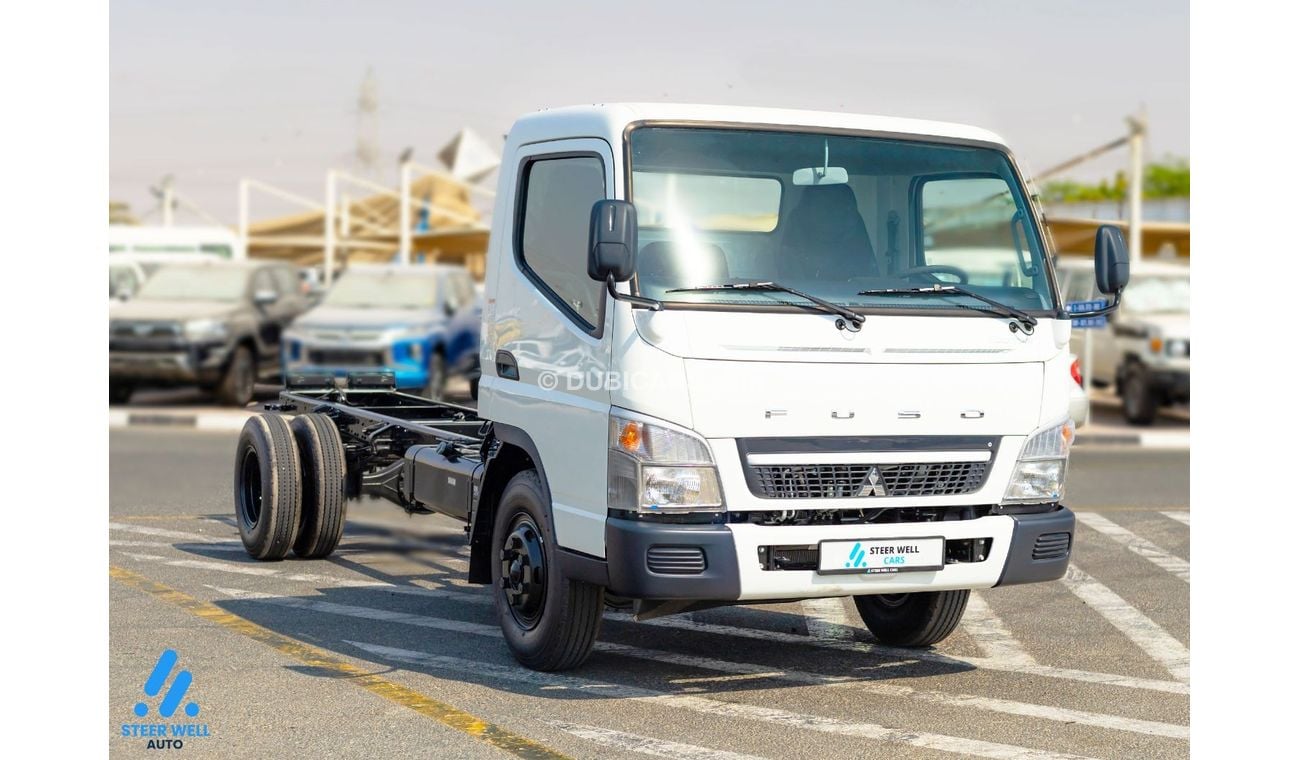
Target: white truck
column 722, row 366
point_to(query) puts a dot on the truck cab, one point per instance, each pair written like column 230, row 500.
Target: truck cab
column 737, row 442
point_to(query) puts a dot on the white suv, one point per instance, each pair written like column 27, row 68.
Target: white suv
column 1145, row 350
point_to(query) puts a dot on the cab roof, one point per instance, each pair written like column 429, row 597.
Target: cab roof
column 608, row 120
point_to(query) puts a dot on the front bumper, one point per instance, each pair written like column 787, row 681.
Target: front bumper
column 406, row 376
column 723, row 562
column 176, row 365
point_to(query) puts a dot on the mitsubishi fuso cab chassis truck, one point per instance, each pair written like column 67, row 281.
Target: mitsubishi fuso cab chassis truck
column 729, row 356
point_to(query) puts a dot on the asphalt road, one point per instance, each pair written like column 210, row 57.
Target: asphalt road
column 383, row 650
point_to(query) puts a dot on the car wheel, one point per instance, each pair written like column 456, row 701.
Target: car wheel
column 1140, row 402
column 549, row 621
column 268, row 487
column 324, row 472
column 912, row 620
column 236, row 386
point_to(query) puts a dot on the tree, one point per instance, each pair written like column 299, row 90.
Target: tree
column 1170, row 178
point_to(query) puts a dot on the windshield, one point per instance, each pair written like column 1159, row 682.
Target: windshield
column 831, row 215
column 1152, row 295
column 195, row 283
column 383, row 290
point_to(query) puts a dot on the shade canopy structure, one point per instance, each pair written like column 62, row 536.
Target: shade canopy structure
column 446, row 228
column 1075, row 236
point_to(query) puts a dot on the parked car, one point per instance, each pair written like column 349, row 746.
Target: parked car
column 419, row 322
column 215, row 324
column 1145, row 350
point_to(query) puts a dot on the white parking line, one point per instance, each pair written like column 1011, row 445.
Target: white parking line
column 826, row 619
column 645, row 745
column 466, row 595
column 146, row 530
column 1183, row 517
column 991, row 633
column 718, row 708
column 862, row 682
column 161, row 545
column 1138, row 628
column 1177, row 566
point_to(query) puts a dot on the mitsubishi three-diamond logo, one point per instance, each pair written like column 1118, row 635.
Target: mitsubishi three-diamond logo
column 875, row 485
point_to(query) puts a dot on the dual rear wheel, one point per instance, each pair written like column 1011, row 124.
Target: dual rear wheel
column 289, row 486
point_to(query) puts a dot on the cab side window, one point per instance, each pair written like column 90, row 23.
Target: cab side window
column 555, row 220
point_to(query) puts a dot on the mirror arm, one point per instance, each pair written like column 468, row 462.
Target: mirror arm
column 1112, row 306
column 636, row 301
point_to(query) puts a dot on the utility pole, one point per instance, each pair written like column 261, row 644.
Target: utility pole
column 168, row 200
column 1137, row 126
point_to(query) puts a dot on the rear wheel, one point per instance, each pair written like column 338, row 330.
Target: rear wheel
column 550, row 622
column 268, row 487
column 324, row 471
column 236, row 386
column 1140, row 402
column 912, row 620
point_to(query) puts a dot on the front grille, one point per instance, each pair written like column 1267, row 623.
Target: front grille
column 145, row 336
column 675, row 560
column 345, row 357
column 846, row 481
column 1051, row 546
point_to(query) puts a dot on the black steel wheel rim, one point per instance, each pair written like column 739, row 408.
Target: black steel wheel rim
column 523, row 571
column 250, row 489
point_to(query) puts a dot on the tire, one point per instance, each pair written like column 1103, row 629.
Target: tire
column 119, row 393
column 437, row 376
column 1139, row 398
column 912, row 620
column 551, row 623
column 236, row 386
column 324, row 472
column 473, row 388
column 268, row 487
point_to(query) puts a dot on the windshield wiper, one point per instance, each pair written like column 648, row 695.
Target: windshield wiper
column 1023, row 320
column 852, row 317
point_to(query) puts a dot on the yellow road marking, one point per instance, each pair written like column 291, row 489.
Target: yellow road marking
column 317, row 658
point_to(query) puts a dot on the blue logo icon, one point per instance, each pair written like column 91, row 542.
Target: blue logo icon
column 857, row 557
column 175, row 693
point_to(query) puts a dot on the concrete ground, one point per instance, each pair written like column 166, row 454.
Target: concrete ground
column 383, row 650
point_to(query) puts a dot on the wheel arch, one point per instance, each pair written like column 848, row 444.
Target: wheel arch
column 515, row 453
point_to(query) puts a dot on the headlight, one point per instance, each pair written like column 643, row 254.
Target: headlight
column 1178, row 347
column 655, row 469
column 205, row 329
column 1039, row 476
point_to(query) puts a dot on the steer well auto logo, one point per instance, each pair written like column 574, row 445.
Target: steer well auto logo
column 172, row 730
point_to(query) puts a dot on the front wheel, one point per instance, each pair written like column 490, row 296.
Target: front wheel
column 1139, row 397
column 912, row 620
column 236, row 386
column 550, row 622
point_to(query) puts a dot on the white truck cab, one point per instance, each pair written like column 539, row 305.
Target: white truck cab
column 735, row 442
column 736, row 355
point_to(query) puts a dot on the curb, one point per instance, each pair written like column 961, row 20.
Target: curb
column 1147, row 440
column 216, row 421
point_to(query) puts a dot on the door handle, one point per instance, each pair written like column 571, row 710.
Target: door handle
column 507, row 367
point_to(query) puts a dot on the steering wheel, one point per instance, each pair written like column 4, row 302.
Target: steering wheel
column 930, row 270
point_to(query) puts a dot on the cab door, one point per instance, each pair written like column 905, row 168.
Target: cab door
column 549, row 357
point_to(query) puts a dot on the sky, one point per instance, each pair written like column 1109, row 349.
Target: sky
column 212, row 92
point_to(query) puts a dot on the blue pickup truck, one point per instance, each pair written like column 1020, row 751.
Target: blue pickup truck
column 419, row 322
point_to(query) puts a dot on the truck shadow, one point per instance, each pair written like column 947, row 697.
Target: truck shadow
column 451, row 632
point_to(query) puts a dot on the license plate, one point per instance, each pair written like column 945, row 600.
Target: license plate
column 881, row 555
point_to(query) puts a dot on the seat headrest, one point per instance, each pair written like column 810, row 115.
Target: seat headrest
column 669, row 264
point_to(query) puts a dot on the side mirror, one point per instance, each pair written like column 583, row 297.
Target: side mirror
column 1110, row 257
column 265, row 297
column 611, row 246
